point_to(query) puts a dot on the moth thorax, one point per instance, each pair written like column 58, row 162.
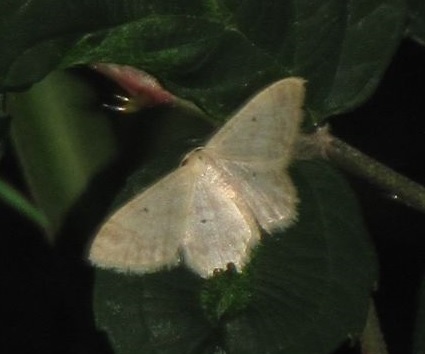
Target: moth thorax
column 196, row 156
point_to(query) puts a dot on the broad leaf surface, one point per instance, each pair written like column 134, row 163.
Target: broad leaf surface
column 215, row 53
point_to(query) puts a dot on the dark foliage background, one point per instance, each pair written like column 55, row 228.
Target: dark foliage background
column 391, row 128
column 41, row 313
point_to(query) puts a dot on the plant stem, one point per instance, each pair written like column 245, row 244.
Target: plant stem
column 400, row 187
column 372, row 340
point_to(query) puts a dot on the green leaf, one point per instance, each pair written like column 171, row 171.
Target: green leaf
column 213, row 53
column 416, row 28
column 419, row 335
column 62, row 141
column 306, row 289
column 35, row 34
column 16, row 200
column 152, row 314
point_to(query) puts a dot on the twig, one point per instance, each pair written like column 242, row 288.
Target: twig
column 349, row 158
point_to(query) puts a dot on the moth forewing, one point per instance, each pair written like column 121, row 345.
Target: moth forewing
column 145, row 234
column 266, row 127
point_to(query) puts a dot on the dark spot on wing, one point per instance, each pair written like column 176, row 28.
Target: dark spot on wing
column 254, row 174
column 204, row 221
column 253, row 119
column 145, row 210
column 231, row 268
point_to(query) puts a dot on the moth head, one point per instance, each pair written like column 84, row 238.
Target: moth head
column 194, row 155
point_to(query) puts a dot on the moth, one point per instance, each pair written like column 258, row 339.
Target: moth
column 209, row 212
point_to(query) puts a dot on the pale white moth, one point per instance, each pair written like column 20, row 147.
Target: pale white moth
column 208, row 212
